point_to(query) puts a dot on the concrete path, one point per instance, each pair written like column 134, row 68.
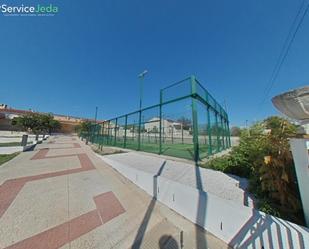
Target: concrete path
column 63, row 196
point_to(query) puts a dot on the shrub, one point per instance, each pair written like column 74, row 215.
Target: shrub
column 264, row 157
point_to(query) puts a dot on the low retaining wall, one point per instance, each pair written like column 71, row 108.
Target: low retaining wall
column 14, row 149
column 239, row 226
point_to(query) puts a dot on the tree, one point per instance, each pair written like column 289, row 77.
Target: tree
column 276, row 172
column 37, row 123
column 84, row 127
column 235, row 131
column 54, row 125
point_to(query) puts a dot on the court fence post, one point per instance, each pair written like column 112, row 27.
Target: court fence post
column 209, row 132
column 125, row 132
column 229, row 133
column 160, row 125
column 115, row 131
column 195, row 120
column 217, row 133
column 139, row 130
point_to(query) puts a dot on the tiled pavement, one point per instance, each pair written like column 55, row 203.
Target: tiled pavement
column 62, row 196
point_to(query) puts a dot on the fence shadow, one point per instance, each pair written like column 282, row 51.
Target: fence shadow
column 266, row 231
column 201, row 209
column 142, row 229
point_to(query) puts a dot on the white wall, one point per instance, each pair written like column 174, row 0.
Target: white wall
column 301, row 161
column 239, row 226
column 13, row 149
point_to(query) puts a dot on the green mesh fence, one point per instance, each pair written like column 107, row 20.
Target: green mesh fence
column 187, row 123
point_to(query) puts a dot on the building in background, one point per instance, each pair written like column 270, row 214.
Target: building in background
column 171, row 127
column 68, row 123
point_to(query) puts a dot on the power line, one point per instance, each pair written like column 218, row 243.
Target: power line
column 286, row 42
column 286, row 48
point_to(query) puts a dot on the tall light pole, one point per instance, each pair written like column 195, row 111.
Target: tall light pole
column 141, row 77
column 96, row 114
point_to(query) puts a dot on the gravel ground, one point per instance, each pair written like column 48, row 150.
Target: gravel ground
column 215, row 182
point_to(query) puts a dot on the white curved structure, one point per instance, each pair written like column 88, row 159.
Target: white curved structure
column 294, row 104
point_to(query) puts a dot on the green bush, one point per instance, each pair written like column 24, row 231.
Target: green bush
column 263, row 156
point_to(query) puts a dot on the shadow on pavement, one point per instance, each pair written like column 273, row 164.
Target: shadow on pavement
column 201, row 209
column 141, row 231
column 168, row 242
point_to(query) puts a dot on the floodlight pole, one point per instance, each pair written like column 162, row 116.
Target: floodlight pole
column 96, row 114
column 141, row 77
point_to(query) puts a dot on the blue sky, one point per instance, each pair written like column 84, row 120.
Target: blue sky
column 91, row 52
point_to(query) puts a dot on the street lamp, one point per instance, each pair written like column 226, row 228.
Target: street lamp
column 96, row 114
column 141, row 77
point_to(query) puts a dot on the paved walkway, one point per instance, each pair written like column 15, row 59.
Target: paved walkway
column 63, row 196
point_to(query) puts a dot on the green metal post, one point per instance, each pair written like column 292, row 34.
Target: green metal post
column 182, row 141
column 98, row 131
column 139, row 130
column 217, row 131
column 102, row 137
column 163, row 133
column 91, row 133
column 105, row 133
column 133, row 133
column 115, row 131
column 125, row 132
column 195, row 120
column 209, row 131
column 226, row 134
column 95, row 133
column 223, row 133
column 108, row 132
column 160, row 125
column 229, row 134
